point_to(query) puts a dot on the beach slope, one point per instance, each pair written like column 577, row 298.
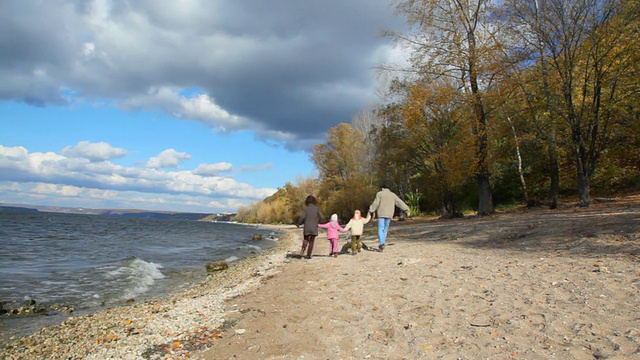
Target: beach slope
column 528, row 284
column 523, row 284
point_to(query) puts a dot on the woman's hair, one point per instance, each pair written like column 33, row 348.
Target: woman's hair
column 310, row 200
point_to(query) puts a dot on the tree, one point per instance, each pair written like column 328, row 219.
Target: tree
column 530, row 78
column 435, row 119
column 341, row 165
column 456, row 39
column 587, row 44
column 366, row 122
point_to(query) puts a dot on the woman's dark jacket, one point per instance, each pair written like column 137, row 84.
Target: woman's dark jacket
column 311, row 216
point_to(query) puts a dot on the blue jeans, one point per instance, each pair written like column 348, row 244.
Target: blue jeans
column 383, row 228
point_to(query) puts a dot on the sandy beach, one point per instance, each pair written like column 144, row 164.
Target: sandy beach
column 522, row 284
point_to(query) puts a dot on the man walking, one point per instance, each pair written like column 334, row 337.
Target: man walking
column 385, row 204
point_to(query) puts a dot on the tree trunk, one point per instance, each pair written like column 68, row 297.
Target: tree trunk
column 554, row 175
column 584, row 186
column 520, row 173
column 485, row 202
column 448, row 206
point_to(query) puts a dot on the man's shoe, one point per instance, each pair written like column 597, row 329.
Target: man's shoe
column 381, row 248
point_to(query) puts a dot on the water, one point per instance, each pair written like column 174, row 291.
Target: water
column 89, row 261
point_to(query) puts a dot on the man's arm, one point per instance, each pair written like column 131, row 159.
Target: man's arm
column 375, row 204
column 403, row 206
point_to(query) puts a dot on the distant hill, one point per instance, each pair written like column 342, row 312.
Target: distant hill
column 131, row 213
column 220, row 217
column 16, row 208
column 155, row 215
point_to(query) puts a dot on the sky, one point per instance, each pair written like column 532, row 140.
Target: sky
column 178, row 105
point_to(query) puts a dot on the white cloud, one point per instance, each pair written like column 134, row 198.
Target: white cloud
column 54, row 177
column 256, row 167
column 100, row 151
column 88, row 49
column 169, row 158
column 213, row 169
column 203, row 108
column 199, row 107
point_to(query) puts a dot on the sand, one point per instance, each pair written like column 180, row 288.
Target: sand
column 529, row 284
column 523, row 284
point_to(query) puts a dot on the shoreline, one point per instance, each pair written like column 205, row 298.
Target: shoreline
column 138, row 330
column 522, row 284
column 91, row 270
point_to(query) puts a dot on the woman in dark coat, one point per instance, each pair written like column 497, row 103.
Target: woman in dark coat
column 311, row 216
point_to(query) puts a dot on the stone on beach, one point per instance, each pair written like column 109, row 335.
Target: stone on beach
column 256, row 237
column 215, row 266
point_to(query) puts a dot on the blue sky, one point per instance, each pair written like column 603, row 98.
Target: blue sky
column 200, row 106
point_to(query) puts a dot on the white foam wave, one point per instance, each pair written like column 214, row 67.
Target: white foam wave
column 135, row 277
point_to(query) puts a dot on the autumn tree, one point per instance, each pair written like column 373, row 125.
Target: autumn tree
column 341, row 165
column 529, row 77
column 437, row 136
column 391, row 152
column 367, row 121
column 282, row 207
column 457, row 39
column 586, row 47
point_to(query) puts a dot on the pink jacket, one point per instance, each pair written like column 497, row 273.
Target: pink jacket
column 332, row 228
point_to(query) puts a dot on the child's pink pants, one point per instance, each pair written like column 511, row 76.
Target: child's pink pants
column 333, row 245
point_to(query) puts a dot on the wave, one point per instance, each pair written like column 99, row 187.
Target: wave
column 132, row 278
column 251, row 247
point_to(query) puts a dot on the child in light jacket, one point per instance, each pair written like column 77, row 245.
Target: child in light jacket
column 356, row 225
column 333, row 234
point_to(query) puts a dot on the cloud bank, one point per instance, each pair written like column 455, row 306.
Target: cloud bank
column 94, row 176
column 287, row 70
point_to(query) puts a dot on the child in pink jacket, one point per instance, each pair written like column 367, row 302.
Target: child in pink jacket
column 333, row 234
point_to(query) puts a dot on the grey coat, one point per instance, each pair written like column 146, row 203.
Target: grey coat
column 311, row 216
column 385, row 204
